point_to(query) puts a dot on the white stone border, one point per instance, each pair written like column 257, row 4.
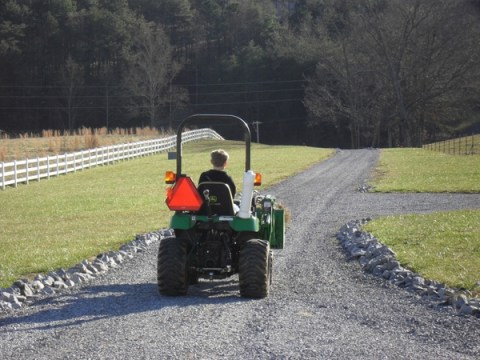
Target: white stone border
column 380, row 260
column 25, row 291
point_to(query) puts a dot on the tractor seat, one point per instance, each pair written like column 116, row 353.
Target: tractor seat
column 221, row 200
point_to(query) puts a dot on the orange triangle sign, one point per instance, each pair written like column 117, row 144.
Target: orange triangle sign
column 184, row 196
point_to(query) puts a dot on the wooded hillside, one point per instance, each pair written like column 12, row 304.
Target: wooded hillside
column 346, row 73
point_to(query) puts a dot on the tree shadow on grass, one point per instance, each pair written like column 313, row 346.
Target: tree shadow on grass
column 98, row 302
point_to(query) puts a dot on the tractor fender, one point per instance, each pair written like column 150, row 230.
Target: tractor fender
column 250, row 224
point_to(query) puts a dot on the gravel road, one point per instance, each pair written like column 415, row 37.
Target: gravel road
column 322, row 306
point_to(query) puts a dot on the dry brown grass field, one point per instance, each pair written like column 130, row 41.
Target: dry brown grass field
column 53, row 142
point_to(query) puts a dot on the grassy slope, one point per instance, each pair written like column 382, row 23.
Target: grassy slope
column 59, row 222
column 444, row 246
column 417, row 170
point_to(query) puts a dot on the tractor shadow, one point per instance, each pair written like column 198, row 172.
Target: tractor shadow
column 215, row 289
column 97, row 302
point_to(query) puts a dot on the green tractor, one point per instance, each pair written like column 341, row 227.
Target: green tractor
column 216, row 237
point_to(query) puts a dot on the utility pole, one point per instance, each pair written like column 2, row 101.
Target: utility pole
column 107, row 106
column 257, row 130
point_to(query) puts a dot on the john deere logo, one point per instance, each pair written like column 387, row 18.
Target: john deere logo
column 213, row 199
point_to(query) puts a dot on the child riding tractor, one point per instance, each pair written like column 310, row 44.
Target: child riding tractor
column 214, row 237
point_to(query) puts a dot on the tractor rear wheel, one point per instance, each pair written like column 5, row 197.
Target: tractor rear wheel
column 172, row 276
column 255, row 268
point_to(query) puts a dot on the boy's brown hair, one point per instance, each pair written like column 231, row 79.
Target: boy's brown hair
column 219, row 157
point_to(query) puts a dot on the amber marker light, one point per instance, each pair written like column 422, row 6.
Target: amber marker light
column 258, row 179
column 170, row 177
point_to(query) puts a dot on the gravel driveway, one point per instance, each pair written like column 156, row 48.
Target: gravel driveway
column 322, row 306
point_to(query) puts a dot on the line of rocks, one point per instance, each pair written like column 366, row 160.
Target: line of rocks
column 24, row 291
column 374, row 257
column 379, row 260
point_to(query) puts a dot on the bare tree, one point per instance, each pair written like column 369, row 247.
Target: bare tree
column 71, row 81
column 424, row 50
column 398, row 67
column 343, row 91
column 151, row 71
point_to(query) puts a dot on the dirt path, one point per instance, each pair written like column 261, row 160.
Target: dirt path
column 321, row 305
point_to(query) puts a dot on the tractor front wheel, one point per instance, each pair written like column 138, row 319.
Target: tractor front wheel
column 255, row 268
column 172, row 276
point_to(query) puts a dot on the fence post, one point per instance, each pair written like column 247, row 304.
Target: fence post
column 26, row 172
column 58, row 165
column 38, row 168
column 15, row 173
column 2, row 177
column 48, row 167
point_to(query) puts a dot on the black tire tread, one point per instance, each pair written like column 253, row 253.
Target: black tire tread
column 255, row 269
column 172, row 279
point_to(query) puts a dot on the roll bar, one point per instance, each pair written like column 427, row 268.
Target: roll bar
column 216, row 117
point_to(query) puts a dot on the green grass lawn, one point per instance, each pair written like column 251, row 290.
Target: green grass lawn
column 443, row 246
column 417, row 170
column 57, row 223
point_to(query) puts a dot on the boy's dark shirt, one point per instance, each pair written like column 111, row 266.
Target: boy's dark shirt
column 220, row 176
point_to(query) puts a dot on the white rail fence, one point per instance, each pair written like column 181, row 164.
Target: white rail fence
column 24, row 171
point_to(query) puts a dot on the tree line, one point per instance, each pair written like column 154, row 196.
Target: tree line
column 347, row 73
